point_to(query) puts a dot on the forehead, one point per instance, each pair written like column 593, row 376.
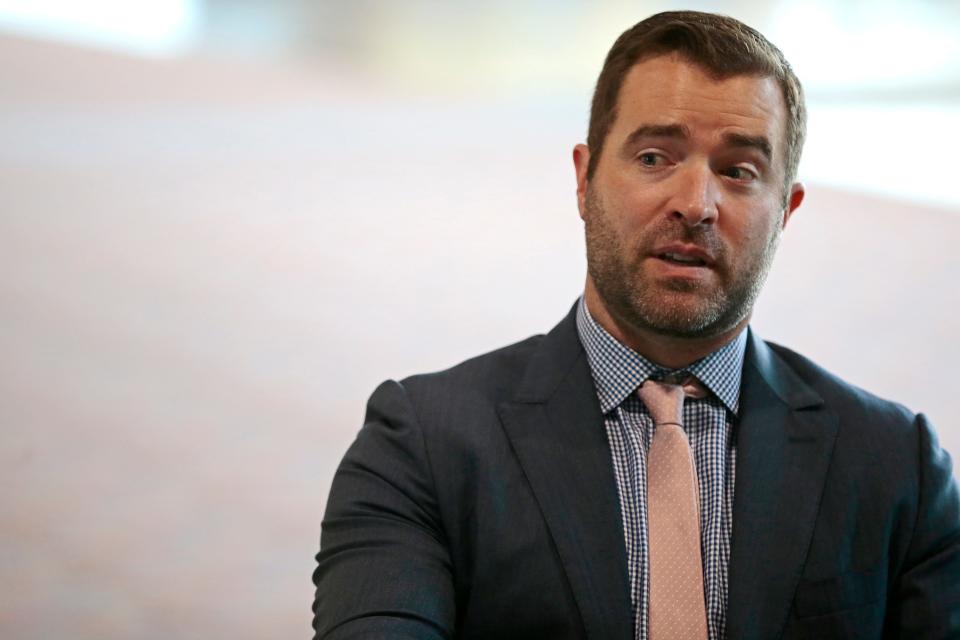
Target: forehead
column 670, row 90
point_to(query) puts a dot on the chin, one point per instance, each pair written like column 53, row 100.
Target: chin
column 683, row 317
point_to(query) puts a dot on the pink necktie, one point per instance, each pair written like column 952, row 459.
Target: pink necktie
column 677, row 607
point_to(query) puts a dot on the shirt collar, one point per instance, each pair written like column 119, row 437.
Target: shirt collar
column 618, row 370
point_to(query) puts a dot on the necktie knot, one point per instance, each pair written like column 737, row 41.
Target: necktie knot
column 664, row 399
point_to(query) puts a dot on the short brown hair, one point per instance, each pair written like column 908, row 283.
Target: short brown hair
column 722, row 46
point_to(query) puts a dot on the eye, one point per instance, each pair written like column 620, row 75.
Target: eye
column 651, row 159
column 740, row 174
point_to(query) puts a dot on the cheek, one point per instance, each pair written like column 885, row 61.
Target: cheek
column 754, row 239
column 634, row 212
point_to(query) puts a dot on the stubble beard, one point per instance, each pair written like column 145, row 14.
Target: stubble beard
column 677, row 308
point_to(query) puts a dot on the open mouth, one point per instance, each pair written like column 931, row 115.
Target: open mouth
column 682, row 260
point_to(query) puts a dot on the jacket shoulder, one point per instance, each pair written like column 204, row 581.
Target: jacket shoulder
column 488, row 378
column 841, row 394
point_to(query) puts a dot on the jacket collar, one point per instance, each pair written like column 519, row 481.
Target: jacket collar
column 785, row 438
column 556, row 429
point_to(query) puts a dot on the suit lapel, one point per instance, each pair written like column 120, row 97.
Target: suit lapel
column 784, row 444
column 556, row 429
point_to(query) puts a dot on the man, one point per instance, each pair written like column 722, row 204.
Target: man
column 651, row 468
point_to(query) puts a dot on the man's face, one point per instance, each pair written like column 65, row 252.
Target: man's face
column 684, row 212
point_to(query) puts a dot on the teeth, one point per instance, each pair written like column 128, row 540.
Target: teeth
column 679, row 258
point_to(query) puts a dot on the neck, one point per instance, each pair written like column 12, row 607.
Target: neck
column 670, row 352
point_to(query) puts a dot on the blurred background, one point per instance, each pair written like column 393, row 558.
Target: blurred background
column 222, row 223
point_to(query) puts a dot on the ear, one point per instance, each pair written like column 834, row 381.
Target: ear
column 581, row 160
column 797, row 192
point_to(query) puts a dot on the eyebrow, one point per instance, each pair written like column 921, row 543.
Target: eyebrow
column 681, row 132
column 657, row 131
column 760, row 143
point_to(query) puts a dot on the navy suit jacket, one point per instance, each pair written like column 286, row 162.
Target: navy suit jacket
column 480, row 502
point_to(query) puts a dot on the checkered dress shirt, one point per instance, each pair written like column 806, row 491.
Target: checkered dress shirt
column 617, row 372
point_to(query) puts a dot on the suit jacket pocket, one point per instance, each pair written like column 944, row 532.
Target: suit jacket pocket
column 845, row 591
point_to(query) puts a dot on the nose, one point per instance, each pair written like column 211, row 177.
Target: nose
column 697, row 196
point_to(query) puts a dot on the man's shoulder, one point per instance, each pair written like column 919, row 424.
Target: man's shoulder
column 492, row 376
column 841, row 394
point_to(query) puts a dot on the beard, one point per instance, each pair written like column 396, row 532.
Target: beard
column 675, row 307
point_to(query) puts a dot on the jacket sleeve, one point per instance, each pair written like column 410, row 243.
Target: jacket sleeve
column 383, row 570
column 926, row 600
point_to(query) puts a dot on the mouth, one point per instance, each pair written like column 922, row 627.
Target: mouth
column 684, row 255
column 682, row 259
